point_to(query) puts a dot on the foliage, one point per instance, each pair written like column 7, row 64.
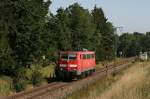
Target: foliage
column 20, row 80
column 36, row 78
column 81, row 27
column 104, row 35
column 47, row 72
column 20, row 85
column 133, row 44
column 22, row 23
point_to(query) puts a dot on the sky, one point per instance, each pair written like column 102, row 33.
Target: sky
column 132, row 15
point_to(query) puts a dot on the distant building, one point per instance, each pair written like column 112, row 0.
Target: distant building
column 143, row 56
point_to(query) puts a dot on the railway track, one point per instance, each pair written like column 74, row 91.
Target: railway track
column 57, row 90
column 37, row 91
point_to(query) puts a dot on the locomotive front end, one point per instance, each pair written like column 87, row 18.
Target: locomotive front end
column 67, row 65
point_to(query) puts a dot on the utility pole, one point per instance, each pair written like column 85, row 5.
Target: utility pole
column 120, row 28
column 115, row 38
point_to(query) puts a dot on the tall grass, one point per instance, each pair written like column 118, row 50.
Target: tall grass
column 133, row 83
column 94, row 90
column 47, row 71
column 5, row 85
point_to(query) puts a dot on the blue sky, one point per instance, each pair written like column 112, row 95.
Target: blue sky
column 132, row 15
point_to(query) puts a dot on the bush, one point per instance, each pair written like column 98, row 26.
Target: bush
column 47, row 72
column 20, row 81
column 20, row 85
column 28, row 74
column 36, row 78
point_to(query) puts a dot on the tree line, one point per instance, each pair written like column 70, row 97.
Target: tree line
column 131, row 44
column 31, row 36
column 29, row 32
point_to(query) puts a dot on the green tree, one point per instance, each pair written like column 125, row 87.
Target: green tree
column 124, row 43
column 81, row 27
column 7, row 64
column 106, row 30
column 132, row 44
column 21, row 30
column 6, row 60
column 26, row 29
column 62, row 30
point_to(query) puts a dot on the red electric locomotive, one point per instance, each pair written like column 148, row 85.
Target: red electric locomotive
column 75, row 64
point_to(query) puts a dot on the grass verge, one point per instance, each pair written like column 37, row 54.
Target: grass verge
column 133, row 83
column 90, row 92
column 5, row 85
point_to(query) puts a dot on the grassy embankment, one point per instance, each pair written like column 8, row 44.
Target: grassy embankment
column 133, row 83
column 6, row 83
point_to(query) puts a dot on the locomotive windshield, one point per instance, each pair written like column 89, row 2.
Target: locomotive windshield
column 68, row 56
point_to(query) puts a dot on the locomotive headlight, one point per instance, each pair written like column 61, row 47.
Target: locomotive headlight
column 73, row 65
column 63, row 65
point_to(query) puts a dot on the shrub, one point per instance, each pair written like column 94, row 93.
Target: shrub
column 36, row 78
column 20, row 81
column 47, row 72
column 28, row 74
column 20, row 84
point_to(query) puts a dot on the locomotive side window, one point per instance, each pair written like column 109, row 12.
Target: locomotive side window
column 92, row 56
column 64, row 57
column 88, row 56
column 84, row 56
column 72, row 56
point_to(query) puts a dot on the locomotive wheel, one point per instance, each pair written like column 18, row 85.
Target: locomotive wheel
column 66, row 77
column 86, row 73
column 94, row 70
column 83, row 75
column 63, row 77
column 80, row 77
column 90, row 72
column 57, row 74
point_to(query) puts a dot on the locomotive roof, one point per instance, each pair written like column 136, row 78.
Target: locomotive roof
column 77, row 52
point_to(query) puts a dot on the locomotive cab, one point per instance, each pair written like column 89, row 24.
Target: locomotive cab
column 67, row 64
